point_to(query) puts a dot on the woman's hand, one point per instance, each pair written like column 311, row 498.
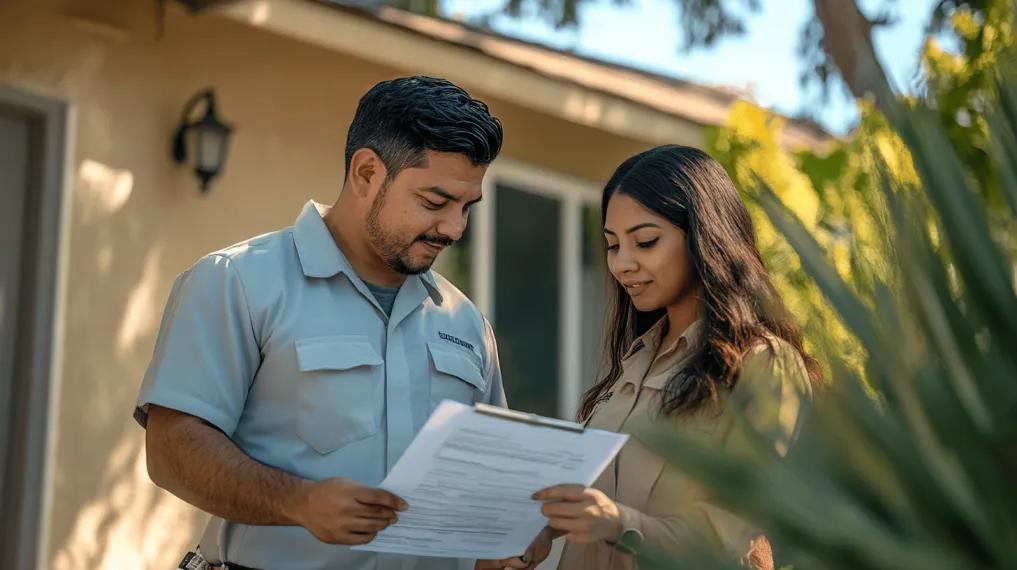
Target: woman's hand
column 582, row 514
column 535, row 554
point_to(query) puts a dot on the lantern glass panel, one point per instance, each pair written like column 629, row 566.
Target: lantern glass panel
column 211, row 147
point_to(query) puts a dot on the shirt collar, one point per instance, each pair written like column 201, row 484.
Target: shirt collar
column 688, row 337
column 652, row 337
column 427, row 278
column 321, row 257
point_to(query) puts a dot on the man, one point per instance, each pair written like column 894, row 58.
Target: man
column 293, row 369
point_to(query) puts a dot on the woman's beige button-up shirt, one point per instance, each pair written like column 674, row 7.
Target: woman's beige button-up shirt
column 654, row 497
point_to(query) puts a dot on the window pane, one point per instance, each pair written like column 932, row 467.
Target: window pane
column 594, row 279
column 527, row 261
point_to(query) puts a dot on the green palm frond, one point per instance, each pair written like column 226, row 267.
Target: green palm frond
column 914, row 466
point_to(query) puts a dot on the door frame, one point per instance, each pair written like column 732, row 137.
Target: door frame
column 24, row 526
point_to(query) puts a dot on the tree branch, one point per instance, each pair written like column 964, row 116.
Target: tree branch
column 847, row 38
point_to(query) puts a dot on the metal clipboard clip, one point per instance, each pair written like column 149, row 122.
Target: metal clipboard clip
column 532, row 419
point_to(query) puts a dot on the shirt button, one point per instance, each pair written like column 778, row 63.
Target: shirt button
column 628, row 389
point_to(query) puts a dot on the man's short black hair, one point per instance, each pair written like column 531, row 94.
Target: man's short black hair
column 402, row 118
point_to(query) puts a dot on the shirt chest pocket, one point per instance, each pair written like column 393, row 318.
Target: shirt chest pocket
column 340, row 383
column 455, row 375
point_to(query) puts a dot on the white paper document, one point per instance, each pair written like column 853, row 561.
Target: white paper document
column 468, row 477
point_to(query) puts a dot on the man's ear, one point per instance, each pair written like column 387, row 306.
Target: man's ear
column 367, row 173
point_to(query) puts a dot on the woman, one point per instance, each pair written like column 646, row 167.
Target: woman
column 697, row 331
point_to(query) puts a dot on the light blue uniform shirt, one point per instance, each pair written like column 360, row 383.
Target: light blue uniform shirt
column 278, row 343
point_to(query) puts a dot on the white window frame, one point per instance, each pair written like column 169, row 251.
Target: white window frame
column 572, row 193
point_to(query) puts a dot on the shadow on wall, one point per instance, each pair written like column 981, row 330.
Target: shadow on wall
column 130, row 523
column 105, row 512
column 110, row 515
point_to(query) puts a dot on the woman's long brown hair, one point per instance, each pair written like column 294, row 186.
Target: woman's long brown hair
column 740, row 304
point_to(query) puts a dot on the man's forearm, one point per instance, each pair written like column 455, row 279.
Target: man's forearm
column 202, row 466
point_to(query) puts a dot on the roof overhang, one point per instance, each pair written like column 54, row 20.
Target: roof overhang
column 608, row 97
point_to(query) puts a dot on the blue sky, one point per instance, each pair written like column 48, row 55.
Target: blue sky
column 645, row 34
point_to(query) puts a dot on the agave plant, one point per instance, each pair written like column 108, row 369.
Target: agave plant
column 916, row 466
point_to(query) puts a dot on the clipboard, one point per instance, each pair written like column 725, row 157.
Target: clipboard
column 527, row 418
column 469, row 474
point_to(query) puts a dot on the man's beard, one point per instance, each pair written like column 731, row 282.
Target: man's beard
column 392, row 249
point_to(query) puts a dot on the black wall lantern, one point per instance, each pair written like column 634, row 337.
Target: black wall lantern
column 209, row 139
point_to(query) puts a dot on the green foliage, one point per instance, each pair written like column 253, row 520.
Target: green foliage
column 920, row 476
column 834, row 192
column 957, row 81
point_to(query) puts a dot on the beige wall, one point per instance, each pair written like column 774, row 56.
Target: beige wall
column 137, row 220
